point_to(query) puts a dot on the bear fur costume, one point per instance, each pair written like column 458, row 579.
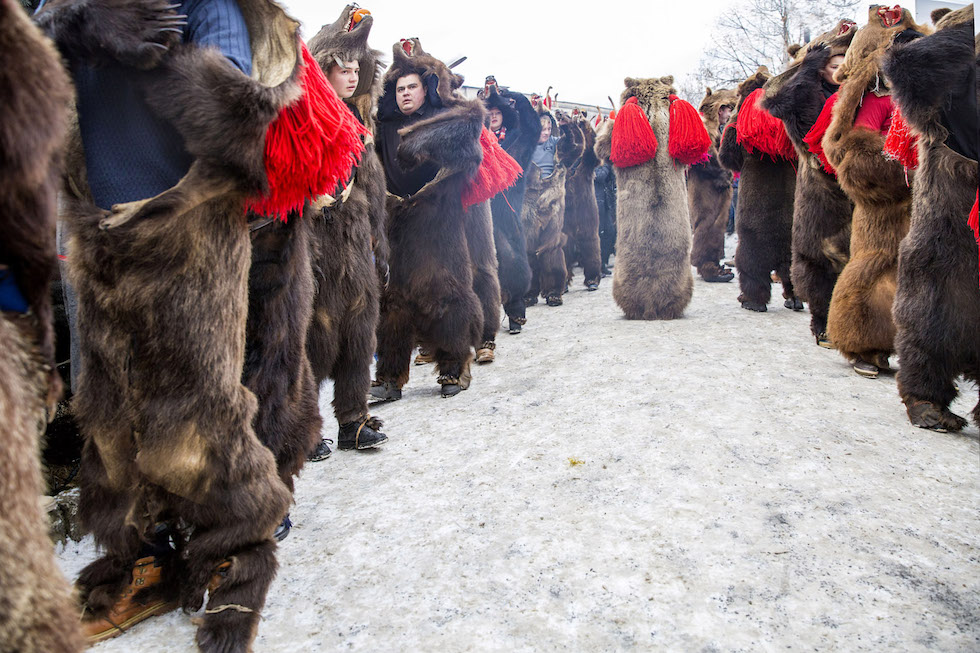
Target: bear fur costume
column 937, row 304
column 429, row 298
column 581, row 225
column 764, row 213
column 860, row 322
column 38, row 612
column 168, row 424
column 486, row 275
column 349, row 241
column 543, row 216
column 709, row 193
column 652, row 279
column 821, row 210
column 523, row 128
column 605, row 197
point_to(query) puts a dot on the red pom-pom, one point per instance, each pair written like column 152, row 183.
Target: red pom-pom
column 633, row 140
column 760, row 130
column 687, row 139
column 974, row 221
column 814, row 137
column 612, row 114
column 310, row 147
column 497, row 172
column 901, row 144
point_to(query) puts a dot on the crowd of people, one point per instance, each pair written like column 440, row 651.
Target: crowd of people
column 244, row 215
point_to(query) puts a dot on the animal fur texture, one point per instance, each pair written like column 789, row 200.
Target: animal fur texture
column 486, row 275
column 860, row 320
column 709, row 191
column 430, row 298
column 652, row 279
column 349, row 241
column 581, row 224
column 523, row 128
column 937, row 305
column 168, row 425
column 821, row 210
column 37, row 610
column 543, row 216
column 764, row 213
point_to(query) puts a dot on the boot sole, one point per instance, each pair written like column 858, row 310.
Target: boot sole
column 351, row 447
column 116, row 631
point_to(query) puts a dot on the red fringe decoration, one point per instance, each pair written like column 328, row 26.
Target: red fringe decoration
column 901, row 144
column 497, row 172
column 814, row 137
column 760, row 130
column 974, row 221
column 310, row 147
column 633, row 140
column 687, row 140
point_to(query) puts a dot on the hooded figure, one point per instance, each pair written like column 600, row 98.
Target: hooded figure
column 709, row 193
column 163, row 296
column 860, row 320
column 350, row 247
column 38, row 613
column 518, row 134
column 543, row 213
column 937, row 304
column 764, row 213
column 429, row 157
column 821, row 210
column 581, row 225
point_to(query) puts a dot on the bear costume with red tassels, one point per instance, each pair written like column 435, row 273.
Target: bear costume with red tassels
column 654, row 137
column 756, row 145
column 937, row 302
column 162, row 304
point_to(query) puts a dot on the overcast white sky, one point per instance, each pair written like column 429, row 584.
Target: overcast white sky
column 582, row 49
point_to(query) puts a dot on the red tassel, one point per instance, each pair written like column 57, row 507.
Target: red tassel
column 497, row 172
column 974, row 221
column 901, row 144
column 814, row 137
column 633, row 140
column 310, row 147
column 760, row 130
column 687, row 139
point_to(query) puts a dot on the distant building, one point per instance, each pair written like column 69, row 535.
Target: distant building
column 589, row 109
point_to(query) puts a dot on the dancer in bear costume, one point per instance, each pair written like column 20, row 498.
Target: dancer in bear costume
column 581, row 223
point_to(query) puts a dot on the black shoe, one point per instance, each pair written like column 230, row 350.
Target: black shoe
column 385, row 391
column 724, row 277
column 513, row 327
column 282, row 530
column 554, row 300
column 320, row 452
column 531, row 301
column 866, row 369
column 361, row 434
column 794, row 303
column 592, row 285
column 606, row 272
column 752, row 306
column 451, row 389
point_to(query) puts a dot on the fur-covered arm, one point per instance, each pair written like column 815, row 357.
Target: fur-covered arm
column 450, row 139
column 731, row 154
column 799, row 101
column 137, row 33
column 603, row 141
column 373, row 176
column 529, row 125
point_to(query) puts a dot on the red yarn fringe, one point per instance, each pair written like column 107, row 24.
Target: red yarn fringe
column 901, row 144
column 633, row 140
column 760, row 130
column 814, row 137
column 497, row 172
column 974, row 221
column 310, row 147
column 687, row 141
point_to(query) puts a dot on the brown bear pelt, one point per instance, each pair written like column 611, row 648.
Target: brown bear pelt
column 486, row 275
column 860, row 320
column 937, row 304
column 168, row 424
column 764, row 213
column 37, row 611
column 349, row 240
column 821, row 209
column 581, row 224
column 543, row 216
column 709, row 191
column 652, row 279
column 429, row 298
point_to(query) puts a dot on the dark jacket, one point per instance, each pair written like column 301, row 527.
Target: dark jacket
column 400, row 180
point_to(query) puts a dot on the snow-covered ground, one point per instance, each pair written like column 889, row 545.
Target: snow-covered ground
column 716, row 483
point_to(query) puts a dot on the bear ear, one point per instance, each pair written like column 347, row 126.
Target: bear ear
column 629, row 82
column 793, row 49
column 669, row 79
column 707, row 91
column 937, row 14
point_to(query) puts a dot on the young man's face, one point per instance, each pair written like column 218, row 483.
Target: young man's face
column 409, row 94
column 827, row 72
column 724, row 114
column 496, row 119
column 545, row 129
column 344, row 79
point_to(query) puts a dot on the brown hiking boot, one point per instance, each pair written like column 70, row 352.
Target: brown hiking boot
column 485, row 353
column 127, row 612
column 425, row 357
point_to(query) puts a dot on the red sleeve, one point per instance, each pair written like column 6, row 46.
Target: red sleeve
column 875, row 113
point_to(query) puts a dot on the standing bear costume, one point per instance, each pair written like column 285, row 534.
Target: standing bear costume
column 581, row 225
